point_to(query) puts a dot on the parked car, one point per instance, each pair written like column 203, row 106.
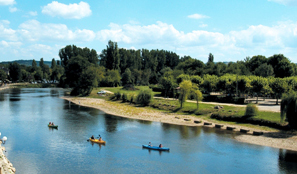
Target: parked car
column 101, row 92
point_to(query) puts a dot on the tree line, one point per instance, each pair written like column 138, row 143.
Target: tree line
column 82, row 69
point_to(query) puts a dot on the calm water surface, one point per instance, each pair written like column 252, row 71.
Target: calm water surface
column 32, row 147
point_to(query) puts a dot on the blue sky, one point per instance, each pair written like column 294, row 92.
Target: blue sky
column 229, row 29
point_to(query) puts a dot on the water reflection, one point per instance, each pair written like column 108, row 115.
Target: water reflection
column 54, row 93
column 287, row 160
column 15, row 95
column 150, row 151
column 96, row 145
column 111, row 122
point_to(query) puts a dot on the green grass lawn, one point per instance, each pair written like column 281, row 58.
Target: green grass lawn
column 204, row 111
column 121, row 90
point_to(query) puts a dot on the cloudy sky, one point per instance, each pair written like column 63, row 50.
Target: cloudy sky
column 229, row 29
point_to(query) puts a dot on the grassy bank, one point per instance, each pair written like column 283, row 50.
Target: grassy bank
column 121, row 90
column 234, row 114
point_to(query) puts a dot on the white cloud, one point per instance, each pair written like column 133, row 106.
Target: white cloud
column 258, row 39
column 33, row 30
column 160, row 33
column 6, row 32
column 10, row 44
column 232, row 46
column 197, row 16
column 286, row 2
column 7, row 2
column 12, row 9
column 33, row 13
column 71, row 11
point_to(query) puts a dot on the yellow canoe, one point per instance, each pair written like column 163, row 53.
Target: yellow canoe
column 97, row 141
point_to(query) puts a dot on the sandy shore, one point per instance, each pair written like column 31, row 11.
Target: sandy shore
column 278, row 139
column 4, row 87
column 5, row 166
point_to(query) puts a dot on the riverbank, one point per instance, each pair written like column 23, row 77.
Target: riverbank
column 5, row 166
column 4, row 87
column 276, row 139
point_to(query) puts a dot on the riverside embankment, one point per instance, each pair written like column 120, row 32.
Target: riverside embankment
column 5, row 166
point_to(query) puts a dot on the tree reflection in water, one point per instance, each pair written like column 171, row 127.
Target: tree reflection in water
column 287, row 161
column 110, row 122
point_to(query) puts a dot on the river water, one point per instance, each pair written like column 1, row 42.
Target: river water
column 32, row 147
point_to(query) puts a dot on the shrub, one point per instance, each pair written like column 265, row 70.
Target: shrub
column 144, row 97
column 117, row 95
column 112, row 97
column 289, row 109
column 124, row 97
column 131, row 99
column 251, row 110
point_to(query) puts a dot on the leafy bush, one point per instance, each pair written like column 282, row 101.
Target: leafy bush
column 112, row 97
column 132, row 98
column 289, row 109
column 118, row 95
column 156, row 88
column 124, row 97
column 144, row 97
column 251, row 110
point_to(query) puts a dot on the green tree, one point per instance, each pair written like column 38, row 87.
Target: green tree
column 167, row 84
column 53, row 64
column 209, row 83
column 57, row 72
column 219, row 69
column 15, row 71
column 282, row 67
column 34, row 66
column 182, row 77
column 185, row 89
column 67, row 53
column 25, row 75
column 191, row 66
column 144, row 97
column 38, row 75
column 86, row 82
column 259, row 85
column 210, row 58
column 74, row 70
column 279, row 86
column 110, row 57
column 3, row 75
column 41, row 63
column 264, row 70
column 197, row 80
column 255, row 62
column 127, row 77
column 112, row 78
column 289, row 109
column 197, row 95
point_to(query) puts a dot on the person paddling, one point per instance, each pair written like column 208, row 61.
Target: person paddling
column 92, row 137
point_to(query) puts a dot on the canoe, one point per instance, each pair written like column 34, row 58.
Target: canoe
column 53, row 126
column 156, row 148
column 97, row 141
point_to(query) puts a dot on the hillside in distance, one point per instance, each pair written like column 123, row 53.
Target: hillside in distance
column 27, row 62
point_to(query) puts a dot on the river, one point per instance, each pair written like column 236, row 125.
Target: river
column 32, row 147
